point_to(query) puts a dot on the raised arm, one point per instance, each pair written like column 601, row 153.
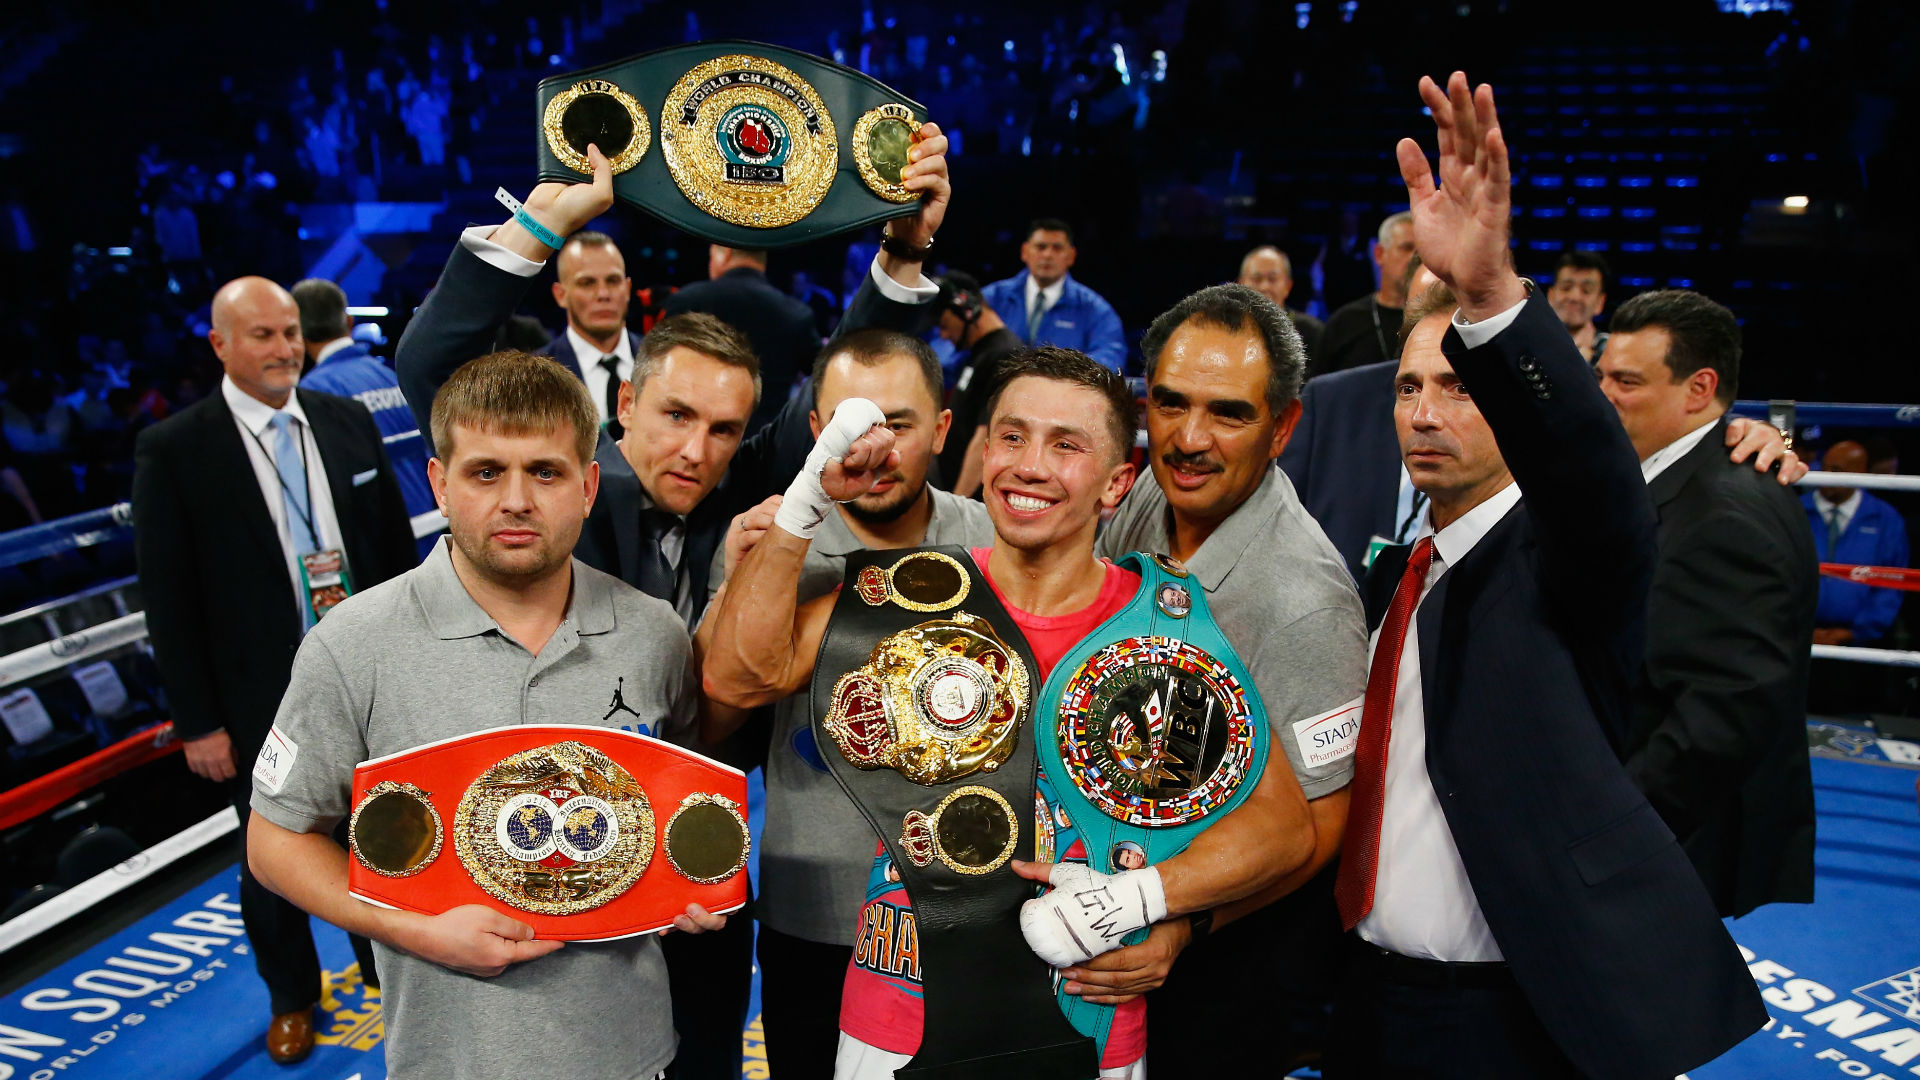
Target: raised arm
column 757, row 645
column 476, row 294
column 1561, row 439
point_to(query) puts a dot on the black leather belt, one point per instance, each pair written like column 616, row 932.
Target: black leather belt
column 738, row 143
column 1393, row 967
column 924, row 689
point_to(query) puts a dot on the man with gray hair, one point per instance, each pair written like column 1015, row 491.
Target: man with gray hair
column 348, row 368
column 1224, row 369
column 1267, row 271
column 1363, row 332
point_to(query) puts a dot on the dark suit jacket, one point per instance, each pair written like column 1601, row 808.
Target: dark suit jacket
column 1719, row 740
column 780, row 328
column 219, row 604
column 1528, row 650
column 1344, row 457
column 457, row 322
column 561, row 349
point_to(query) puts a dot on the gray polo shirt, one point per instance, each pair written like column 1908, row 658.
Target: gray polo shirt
column 1284, row 599
column 415, row 660
column 817, row 850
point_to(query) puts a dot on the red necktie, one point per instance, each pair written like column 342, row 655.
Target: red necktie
column 1360, row 855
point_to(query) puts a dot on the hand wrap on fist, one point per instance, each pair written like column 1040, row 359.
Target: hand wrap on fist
column 806, row 503
column 1087, row 913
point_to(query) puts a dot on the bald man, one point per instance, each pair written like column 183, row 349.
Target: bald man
column 256, row 510
column 1267, row 270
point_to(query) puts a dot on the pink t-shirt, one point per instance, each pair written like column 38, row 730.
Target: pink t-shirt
column 882, row 1004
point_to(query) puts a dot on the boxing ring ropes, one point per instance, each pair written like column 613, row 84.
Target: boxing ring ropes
column 67, row 650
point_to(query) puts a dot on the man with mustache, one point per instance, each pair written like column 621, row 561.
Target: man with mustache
column 1059, row 433
column 1224, row 368
column 238, row 500
column 817, row 849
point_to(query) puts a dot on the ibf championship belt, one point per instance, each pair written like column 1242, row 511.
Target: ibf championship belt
column 924, row 687
column 738, row 143
column 1150, row 731
column 583, row 833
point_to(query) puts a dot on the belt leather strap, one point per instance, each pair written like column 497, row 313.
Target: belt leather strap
column 898, row 688
column 736, row 142
column 1150, row 732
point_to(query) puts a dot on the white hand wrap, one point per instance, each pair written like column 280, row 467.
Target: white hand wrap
column 806, row 504
column 1086, row 913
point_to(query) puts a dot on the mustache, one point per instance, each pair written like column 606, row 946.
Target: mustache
column 1190, row 462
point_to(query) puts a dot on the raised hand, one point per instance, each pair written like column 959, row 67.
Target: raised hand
column 567, row 207
column 864, row 463
column 926, row 173
column 1460, row 225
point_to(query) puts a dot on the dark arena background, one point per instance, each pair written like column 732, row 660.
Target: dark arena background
column 1761, row 152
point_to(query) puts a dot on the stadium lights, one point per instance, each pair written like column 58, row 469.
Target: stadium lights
column 1794, row 202
column 367, row 312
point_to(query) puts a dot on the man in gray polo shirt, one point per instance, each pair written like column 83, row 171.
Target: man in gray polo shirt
column 817, row 849
column 1224, row 370
column 498, row 627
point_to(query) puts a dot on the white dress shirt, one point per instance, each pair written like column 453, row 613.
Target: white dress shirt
column 1044, row 298
column 1423, row 902
column 588, row 354
column 1662, row 459
column 1846, row 506
column 252, row 416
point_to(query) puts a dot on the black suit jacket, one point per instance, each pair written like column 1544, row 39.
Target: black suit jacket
column 779, row 326
column 1344, row 457
column 457, row 322
column 219, row 604
column 1719, row 741
column 1528, row 650
column 561, row 349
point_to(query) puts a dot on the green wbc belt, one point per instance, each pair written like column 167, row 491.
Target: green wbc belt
column 736, row 142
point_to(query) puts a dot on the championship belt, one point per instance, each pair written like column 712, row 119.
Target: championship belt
column 584, row 833
column 757, row 146
column 925, row 688
column 1151, row 731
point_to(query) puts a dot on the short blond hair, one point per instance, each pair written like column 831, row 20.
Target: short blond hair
column 515, row 393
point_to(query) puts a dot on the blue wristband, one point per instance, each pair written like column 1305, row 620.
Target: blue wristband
column 525, row 220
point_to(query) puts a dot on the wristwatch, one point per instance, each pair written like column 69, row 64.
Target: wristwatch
column 900, row 249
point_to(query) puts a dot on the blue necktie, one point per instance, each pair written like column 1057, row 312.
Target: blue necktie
column 293, row 485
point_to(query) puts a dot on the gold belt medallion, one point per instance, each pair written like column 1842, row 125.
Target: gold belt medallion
column 749, row 141
column 935, row 702
column 881, row 140
column 596, row 112
column 923, row 581
column 556, row 830
column 395, row 831
column 972, row 831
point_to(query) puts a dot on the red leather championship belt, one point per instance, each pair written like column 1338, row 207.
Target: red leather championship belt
column 584, row 833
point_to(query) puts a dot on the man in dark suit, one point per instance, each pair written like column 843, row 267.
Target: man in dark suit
column 1344, row 460
column 591, row 286
column 779, row 327
column 1718, row 739
column 688, row 406
column 228, row 495
column 1521, row 910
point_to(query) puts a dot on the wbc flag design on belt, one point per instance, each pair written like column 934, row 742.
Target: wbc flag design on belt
column 562, row 824
column 1151, row 734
